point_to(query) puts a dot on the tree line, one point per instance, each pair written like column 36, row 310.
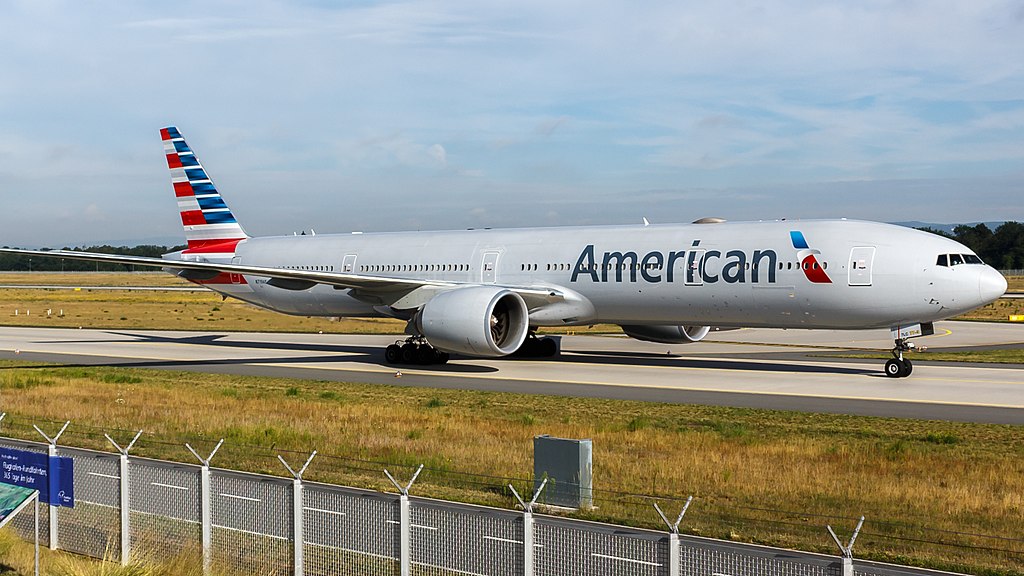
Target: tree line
column 21, row 262
column 1002, row 248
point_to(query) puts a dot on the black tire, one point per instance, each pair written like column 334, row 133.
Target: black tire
column 894, row 368
column 392, row 354
column 548, row 347
column 442, row 357
column 409, row 353
column 908, row 368
column 425, row 355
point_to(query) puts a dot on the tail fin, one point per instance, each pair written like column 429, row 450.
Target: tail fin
column 209, row 224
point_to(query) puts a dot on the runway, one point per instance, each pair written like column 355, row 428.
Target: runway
column 746, row 368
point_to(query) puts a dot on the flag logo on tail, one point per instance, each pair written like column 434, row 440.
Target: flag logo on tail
column 208, row 222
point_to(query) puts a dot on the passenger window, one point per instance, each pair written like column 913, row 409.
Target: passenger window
column 955, row 259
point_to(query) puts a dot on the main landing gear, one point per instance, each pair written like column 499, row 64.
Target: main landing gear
column 899, row 367
column 414, row 350
column 535, row 347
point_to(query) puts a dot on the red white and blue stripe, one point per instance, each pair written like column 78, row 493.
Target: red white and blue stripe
column 210, row 227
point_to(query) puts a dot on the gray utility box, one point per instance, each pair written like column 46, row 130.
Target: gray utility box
column 569, row 468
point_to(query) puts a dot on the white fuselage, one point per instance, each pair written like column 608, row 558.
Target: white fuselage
column 725, row 274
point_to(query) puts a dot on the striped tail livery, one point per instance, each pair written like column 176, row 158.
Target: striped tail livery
column 210, row 227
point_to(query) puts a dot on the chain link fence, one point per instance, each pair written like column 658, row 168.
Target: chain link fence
column 247, row 523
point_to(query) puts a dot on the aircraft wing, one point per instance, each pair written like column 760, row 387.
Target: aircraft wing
column 385, row 289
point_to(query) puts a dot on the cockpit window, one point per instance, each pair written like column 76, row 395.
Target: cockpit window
column 955, row 259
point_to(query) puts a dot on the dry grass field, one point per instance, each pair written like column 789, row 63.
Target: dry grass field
column 204, row 310
column 17, row 559
column 930, row 490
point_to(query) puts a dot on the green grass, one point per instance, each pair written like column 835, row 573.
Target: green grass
column 1008, row 356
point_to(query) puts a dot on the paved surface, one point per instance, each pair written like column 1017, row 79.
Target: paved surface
column 747, row 368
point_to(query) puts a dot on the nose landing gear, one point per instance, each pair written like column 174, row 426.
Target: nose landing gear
column 899, row 367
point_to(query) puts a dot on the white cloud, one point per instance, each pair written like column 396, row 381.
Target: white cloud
column 568, row 105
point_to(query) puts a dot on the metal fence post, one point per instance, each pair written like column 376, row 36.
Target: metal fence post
column 846, row 551
column 298, row 524
column 51, row 451
column 404, row 524
column 204, row 505
column 673, row 537
column 126, row 534
column 528, row 526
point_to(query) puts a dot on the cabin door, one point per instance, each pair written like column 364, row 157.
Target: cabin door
column 861, row 260
column 489, row 269
column 348, row 265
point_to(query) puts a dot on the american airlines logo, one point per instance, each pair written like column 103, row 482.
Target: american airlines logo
column 808, row 259
column 696, row 265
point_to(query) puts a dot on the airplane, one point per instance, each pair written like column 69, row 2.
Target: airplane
column 484, row 293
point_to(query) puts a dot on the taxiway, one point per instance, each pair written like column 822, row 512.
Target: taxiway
column 793, row 370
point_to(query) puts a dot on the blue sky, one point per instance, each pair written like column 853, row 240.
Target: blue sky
column 450, row 114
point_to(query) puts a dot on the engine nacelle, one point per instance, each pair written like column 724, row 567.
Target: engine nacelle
column 476, row 320
column 667, row 334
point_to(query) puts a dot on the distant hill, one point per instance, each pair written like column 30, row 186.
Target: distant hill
column 948, row 228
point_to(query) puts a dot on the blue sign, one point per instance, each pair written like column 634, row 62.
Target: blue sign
column 53, row 477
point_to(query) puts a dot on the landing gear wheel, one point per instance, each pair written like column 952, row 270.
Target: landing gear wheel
column 894, row 368
column 907, row 368
column 409, row 353
column 393, row 354
column 425, row 355
column 536, row 347
column 414, row 350
column 899, row 366
column 548, row 347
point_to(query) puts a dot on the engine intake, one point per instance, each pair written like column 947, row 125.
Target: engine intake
column 476, row 320
column 667, row 334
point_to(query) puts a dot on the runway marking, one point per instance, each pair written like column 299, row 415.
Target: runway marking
column 690, row 389
column 265, row 362
column 412, row 370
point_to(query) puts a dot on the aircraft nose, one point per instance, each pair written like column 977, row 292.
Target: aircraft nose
column 991, row 285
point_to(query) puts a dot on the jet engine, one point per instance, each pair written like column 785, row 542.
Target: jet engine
column 667, row 334
column 476, row 320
